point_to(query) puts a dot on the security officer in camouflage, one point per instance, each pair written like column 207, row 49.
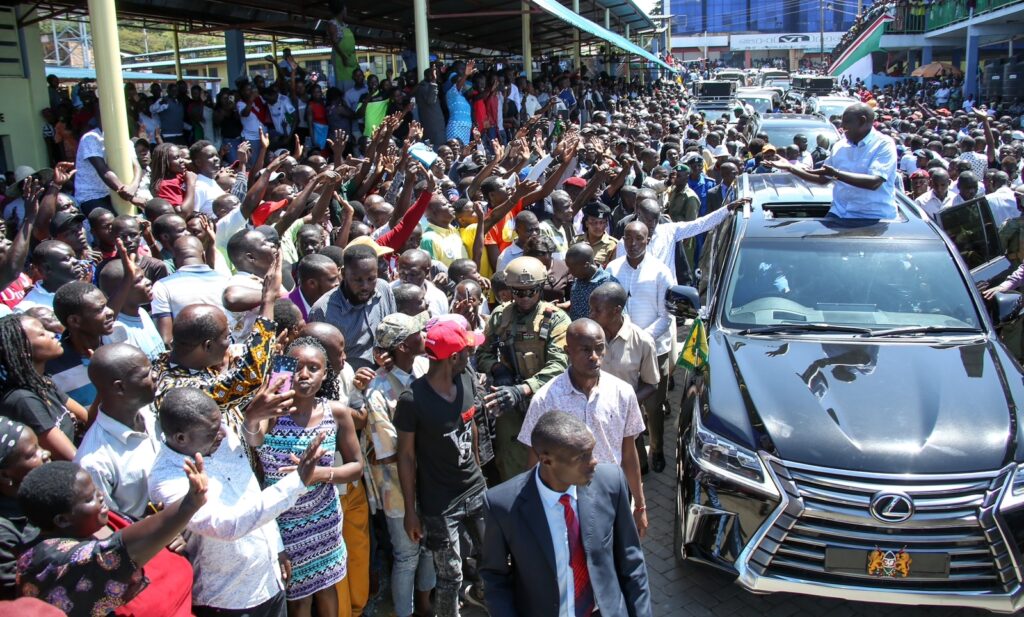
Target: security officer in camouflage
column 525, row 349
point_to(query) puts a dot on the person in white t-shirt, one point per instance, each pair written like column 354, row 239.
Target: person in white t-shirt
column 207, row 163
column 282, row 115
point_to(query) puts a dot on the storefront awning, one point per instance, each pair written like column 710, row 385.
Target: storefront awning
column 578, row 21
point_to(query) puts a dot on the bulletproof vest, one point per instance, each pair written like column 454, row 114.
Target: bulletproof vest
column 527, row 335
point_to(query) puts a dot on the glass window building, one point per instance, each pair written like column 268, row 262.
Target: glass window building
column 690, row 17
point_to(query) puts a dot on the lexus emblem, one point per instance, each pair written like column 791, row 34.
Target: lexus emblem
column 892, row 507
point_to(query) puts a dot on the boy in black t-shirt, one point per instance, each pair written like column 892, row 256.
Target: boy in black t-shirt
column 437, row 457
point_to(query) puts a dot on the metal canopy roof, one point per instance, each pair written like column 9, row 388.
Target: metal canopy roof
column 455, row 25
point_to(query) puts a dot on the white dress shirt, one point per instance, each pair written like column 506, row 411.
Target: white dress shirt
column 195, row 284
column 646, row 285
column 234, row 540
column 875, row 155
column 662, row 245
column 1003, row 204
column 931, row 203
column 554, row 511
column 119, row 460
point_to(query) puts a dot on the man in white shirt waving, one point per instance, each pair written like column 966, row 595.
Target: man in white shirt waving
column 234, row 544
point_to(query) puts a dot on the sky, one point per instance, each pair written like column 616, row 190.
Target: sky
column 646, row 5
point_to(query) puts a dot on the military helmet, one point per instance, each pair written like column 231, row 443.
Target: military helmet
column 525, row 273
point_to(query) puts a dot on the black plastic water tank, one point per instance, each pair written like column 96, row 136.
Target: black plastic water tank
column 992, row 82
column 1013, row 79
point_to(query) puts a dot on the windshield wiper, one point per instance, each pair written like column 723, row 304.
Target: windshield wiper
column 926, row 330
column 805, row 327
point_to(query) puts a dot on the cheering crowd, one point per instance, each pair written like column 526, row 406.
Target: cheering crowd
column 286, row 384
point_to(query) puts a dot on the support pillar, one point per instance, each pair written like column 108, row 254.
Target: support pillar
column 576, row 39
column 177, row 53
column 971, row 68
column 107, row 53
column 629, row 58
column 607, row 19
column 926, row 55
column 234, row 46
column 527, row 45
column 419, row 11
column 273, row 52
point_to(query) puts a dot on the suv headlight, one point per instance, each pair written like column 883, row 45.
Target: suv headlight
column 1014, row 494
column 719, row 456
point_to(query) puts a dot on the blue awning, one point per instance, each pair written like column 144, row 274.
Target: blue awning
column 578, row 21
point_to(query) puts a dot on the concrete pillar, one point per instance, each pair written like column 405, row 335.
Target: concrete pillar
column 107, row 52
column 607, row 19
column 527, row 45
column 971, row 68
column 926, row 55
column 177, row 53
column 22, row 96
column 576, row 38
column 234, row 46
column 419, row 11
column 629, row 58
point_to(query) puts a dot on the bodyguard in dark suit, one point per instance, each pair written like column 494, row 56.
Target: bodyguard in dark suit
column 724, row 191
column 559, row 539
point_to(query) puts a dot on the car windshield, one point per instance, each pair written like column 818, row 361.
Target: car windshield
column 782, row 134
column 876, row 284
column 833, row 108
column 760, row 105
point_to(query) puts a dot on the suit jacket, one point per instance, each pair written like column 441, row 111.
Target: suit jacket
column 715, row 198
column 518, row 565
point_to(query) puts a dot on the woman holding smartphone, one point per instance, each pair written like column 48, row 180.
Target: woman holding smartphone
column 311, row 529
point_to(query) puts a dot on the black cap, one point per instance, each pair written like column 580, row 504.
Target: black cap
column 62, row 220
column 597, row 210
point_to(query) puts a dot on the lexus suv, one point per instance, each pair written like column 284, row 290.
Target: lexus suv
column 855, row 432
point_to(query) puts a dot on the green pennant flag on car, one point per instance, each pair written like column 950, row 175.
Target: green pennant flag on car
column 694, row 356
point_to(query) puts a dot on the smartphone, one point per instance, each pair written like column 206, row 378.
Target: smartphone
column 283, row 366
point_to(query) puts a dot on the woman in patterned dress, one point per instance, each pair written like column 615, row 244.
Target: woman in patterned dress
column 311, row 529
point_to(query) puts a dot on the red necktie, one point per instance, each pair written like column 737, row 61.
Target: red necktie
column 584, row 593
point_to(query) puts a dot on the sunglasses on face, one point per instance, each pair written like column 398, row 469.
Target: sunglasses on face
column 524, row 293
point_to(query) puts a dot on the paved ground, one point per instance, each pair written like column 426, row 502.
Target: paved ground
column 691, row 590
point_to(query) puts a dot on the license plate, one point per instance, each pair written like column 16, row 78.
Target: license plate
column 887, row 563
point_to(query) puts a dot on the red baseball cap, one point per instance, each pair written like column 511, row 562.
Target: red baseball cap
column 576, row 181
column 443, row 339
column 266, row 209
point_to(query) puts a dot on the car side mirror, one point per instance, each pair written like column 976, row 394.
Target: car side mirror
column 682, row 301
column 1008, row 307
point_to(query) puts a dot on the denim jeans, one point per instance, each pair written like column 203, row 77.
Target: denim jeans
column 413, row 564
column 442, row 537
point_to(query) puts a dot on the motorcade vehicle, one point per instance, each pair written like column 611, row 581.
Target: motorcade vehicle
column 781, row 128
column 715, row 99
column 763, row 100
column 829, row 106
column 856, row 430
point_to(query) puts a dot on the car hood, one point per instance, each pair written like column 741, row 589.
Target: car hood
column 897, row 407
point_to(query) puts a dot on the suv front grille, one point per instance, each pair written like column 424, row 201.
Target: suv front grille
column 954, row 515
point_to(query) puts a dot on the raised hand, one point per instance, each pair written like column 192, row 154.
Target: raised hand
column 198, row 483
column 306, row 464
column 63, row 172
column 264, row 139
column 269, row 404
column 244, row 153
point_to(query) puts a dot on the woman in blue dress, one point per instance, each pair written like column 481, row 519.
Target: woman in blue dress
column 460, row 118
column 311, row 529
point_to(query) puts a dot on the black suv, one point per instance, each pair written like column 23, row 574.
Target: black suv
column 856, row 432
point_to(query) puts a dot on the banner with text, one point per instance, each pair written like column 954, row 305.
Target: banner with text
column 809, row 41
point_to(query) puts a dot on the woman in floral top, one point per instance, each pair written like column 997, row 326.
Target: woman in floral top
column 88, row 562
